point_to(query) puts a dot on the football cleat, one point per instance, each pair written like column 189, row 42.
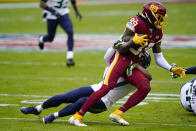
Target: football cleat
column 76, row 120
column 41, row 43
column 70, row 62
column 116, row 116
column 29, row 110
column 49, row 119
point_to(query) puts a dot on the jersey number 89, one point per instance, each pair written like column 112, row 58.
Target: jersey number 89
column 133, row 21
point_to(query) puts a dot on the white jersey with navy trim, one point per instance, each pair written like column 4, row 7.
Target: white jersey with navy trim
column 121, row 89
column 188, row 95
column 59, row 5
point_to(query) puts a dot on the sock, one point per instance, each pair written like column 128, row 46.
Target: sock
column 56, row 114
column 41, row 39
column 39, row 108
column 70, row 55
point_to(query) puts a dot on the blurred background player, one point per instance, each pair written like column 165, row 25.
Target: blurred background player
column 142, row 32
column 78, row 96
column 57, row 13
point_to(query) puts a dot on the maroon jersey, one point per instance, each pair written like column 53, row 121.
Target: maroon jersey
column 137, row 25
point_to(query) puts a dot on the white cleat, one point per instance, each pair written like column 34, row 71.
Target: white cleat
column 117, row 117
column 76, row 120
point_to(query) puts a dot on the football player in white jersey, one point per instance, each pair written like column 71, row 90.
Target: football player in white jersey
column 57, row 13
column 78, row 96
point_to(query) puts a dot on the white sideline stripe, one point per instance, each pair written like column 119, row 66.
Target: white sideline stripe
column 98, row 122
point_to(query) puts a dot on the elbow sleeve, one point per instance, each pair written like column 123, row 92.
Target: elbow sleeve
column 160, row 61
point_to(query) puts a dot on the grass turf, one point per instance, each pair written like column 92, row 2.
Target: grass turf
column 45, row 74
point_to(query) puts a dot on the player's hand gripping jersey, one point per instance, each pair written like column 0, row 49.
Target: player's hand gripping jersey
column 138, row 25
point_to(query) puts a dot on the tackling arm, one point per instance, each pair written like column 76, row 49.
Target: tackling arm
column 108, row 55
column 144, row 71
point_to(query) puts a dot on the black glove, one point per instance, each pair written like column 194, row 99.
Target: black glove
column 78, row 15
column 53, row 11
column 56, row 13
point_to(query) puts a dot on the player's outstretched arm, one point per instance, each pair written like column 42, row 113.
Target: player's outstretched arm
column 191, row 70
column 144, row 71
column 161, row 61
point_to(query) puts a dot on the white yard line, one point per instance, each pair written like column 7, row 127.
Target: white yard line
column 99, row 122
column 28, row 63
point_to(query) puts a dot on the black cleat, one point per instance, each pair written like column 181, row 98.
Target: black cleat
column 29, row 110
column 49, row 119
column 70, row 62
column 41, row 44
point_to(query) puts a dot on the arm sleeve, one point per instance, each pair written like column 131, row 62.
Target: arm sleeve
column 160, row 61
column 191, row 70
column 108, row 55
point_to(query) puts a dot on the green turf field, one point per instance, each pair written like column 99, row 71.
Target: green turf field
column 26, row 74
column 181, row 19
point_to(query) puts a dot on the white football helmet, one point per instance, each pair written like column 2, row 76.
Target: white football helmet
column 185, row 96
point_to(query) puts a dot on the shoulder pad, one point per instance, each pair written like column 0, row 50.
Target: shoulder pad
column 136, row 24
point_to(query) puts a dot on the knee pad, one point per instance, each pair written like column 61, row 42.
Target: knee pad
column 145, row 87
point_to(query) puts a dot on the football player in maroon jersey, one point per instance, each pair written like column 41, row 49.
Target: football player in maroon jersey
column 142, row 33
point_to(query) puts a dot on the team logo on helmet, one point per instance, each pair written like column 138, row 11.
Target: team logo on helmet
column 155, row 12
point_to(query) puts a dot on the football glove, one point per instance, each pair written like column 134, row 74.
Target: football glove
column 78, row 15
column 140, row 40
column 130, row 69
column 118, row 43
column 56, row 13
column 178, row 71
column 44, row 15
column 173, row 75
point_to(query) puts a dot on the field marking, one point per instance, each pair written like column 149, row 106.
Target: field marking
column 29, row 42
column 69, row 78
column 25, row 95
column 39, row 101
column 9, row 104
column 159, row 98
column 28, row 63
column 98, row 122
